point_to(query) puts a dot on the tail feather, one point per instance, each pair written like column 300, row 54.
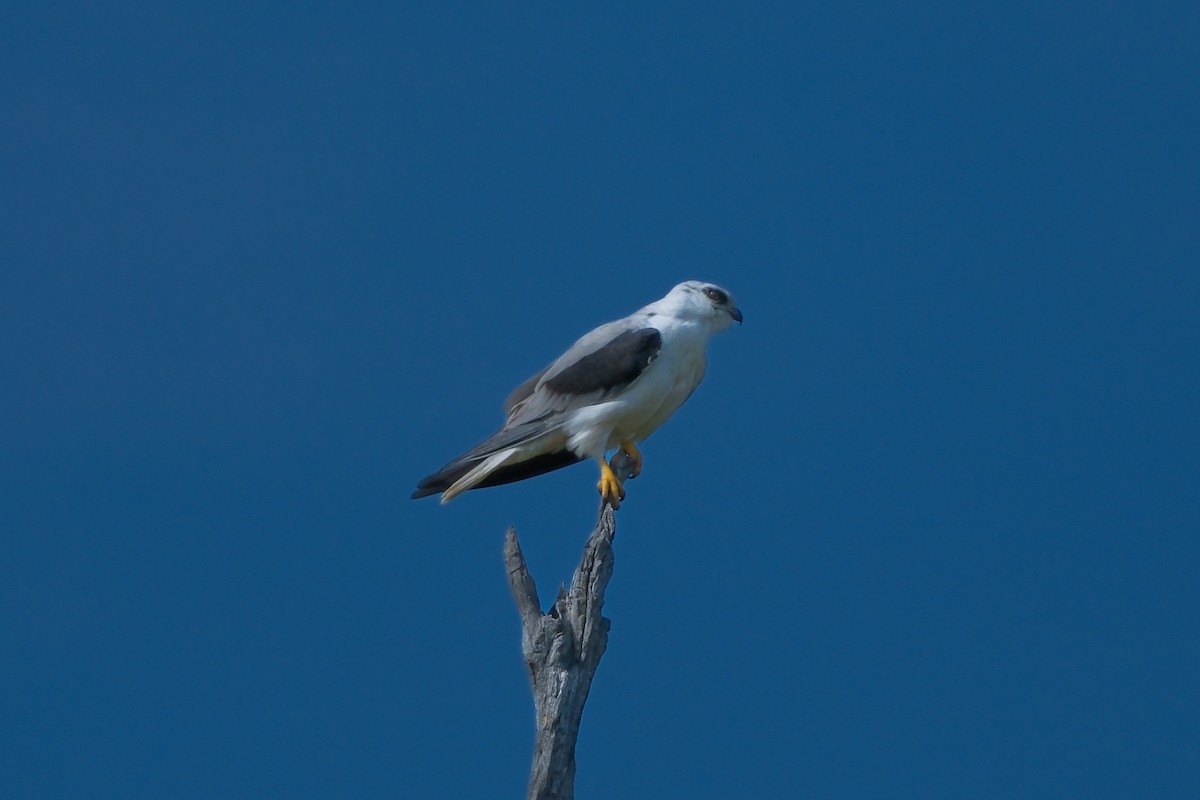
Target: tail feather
column 508, row 473
column 510, row 454
column 477, row 473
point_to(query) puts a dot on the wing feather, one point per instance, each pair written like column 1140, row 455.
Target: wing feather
column 532, row 442
column 522, row 392
column 595, row 369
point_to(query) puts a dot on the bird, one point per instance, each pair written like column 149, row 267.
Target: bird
column 611, row 389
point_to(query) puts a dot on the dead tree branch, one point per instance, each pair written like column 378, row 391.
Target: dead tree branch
column 562, row 649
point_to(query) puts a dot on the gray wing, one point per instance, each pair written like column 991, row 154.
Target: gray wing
column 595, row 368
column 598, row 366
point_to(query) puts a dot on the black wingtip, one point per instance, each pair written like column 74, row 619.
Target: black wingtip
column 538, row 465
column 436, row 483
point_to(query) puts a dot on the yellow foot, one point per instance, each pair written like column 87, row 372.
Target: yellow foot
column 611, row 491
column 635, row 456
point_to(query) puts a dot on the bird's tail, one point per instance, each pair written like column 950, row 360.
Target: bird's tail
column 515, row 469
column 476, row 474
column 503, row 458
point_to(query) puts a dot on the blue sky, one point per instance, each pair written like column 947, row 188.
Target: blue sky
column 928, row 529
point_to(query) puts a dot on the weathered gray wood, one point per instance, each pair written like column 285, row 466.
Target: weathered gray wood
column 562, row 649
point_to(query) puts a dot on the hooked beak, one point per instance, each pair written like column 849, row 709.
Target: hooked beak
column 736, row 314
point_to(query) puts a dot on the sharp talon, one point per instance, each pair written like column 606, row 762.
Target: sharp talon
column 611, row 490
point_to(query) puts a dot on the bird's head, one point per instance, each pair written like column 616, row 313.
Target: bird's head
column 702, row 302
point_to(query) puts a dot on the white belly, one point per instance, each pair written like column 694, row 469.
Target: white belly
column 648, row 402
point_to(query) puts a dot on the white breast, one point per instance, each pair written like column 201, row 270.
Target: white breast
column 649, row 401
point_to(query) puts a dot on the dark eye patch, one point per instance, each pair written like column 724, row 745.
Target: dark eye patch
column 716, row 295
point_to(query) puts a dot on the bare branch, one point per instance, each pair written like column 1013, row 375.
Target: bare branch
column 563, row 647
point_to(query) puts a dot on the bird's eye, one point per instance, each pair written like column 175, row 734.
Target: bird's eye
column 716, row 295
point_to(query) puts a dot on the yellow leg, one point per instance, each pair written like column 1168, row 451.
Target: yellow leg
column 635, row 456
column 611, row 491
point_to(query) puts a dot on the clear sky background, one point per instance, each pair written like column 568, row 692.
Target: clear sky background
column 928, row 529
